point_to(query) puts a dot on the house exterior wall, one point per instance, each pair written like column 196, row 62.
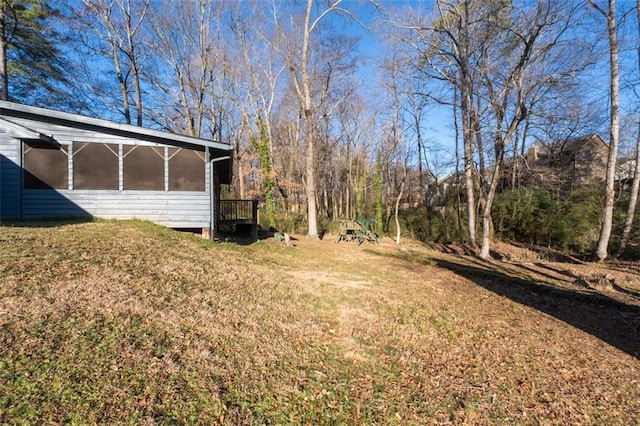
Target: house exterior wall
column 172, row 208
column 10, row 178
column 576, row 163
column 590, row 162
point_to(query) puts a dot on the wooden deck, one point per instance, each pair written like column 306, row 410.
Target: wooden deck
column 238, row 214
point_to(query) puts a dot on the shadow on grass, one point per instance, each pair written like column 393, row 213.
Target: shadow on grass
column 634, row 294
column 246, row 238
column 612, row 321
column 52, row 222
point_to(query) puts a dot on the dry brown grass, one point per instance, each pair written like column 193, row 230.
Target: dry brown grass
column 131, row 323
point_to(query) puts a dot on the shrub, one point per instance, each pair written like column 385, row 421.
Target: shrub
column 536, row 216
column 293, row 223
column 577, row 224
column 524, row 215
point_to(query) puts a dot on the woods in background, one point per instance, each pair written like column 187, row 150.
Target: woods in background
column 421, row 115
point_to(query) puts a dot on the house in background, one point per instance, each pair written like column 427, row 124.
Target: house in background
column 559, row 167
column 55, row 164
column 575, row 163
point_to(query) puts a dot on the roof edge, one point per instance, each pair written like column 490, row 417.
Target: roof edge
column 22, row 132
column 12, row 109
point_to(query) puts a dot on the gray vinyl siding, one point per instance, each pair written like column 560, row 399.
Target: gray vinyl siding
column 176, row 209
column 171, row 209
column 10, row 178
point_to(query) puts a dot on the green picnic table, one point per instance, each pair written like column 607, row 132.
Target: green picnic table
column 359, row 229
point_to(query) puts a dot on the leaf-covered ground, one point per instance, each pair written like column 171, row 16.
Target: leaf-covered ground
column 126, row 322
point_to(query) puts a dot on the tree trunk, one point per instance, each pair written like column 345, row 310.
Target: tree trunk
column 455, row 187
column 241, row 186
column 360, row 195
column 422, row 192
column 138, row 90
column 487, row 222
column 633, row 200
column 378, row 187
column 396, row 211
column 633, row 197
column 468, row 123
column 303, row 88
column 122, row 83
column 134, row 64
column 261, row 145
column 312, row 209
column 607, row 215
column 469, row 179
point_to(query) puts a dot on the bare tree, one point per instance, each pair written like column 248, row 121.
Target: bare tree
column 507, row 94
column 491, row 52
column 299, row 69
column 399, row 90
column 116, row 25
column 263, row 70
column 189, row 58
column 635, row 185
column 398, row 198
column 607, row 214
column 298, row 57
column 354, row 125
column 448, row 55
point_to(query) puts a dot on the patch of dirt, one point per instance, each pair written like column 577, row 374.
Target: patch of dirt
column 311, row 278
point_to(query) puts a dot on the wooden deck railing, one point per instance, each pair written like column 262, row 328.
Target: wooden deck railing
column 240, row 212
column 238, row 209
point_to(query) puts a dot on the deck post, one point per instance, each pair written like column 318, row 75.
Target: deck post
column 254, row 217
column 215, row 196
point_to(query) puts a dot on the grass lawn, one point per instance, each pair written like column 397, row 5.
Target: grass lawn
column 128, row 322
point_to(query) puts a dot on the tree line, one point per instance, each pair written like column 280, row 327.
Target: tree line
column 339, row 109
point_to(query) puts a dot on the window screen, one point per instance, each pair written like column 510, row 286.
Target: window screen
column 45, row 166
column 95, row 166
column 186, row 170
column 143, row 167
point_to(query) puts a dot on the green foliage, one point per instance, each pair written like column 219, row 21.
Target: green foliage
column 35, row 64
column 293, row 223
column 523, row 214
column 578, row 224
column 535, row 216
column 440, row 224
column 417, row 223
column 527, row 215
column 261, row 145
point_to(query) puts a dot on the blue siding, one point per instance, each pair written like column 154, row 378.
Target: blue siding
column 9, row 178
column 172, row 209
column 179, row 209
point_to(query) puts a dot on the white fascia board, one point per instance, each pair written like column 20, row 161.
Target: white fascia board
column 134, row 131
column 18, row 131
